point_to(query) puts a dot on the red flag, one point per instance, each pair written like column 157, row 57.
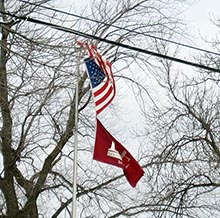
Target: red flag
column 109, row 150
column 101, row 77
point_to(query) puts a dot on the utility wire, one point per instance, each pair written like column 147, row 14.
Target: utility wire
column 129, row 47
column 122, row 28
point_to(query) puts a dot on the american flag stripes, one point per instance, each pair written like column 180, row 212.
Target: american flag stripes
column 102, row 81
column 107, row 149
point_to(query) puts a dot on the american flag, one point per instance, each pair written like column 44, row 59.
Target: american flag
column 102, row 81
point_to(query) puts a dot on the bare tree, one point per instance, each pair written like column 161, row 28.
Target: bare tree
column 38, row 68
column 183, row 127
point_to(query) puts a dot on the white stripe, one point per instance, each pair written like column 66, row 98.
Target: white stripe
column 108, row 70
column 103, row 93
column 105, row 102
column 95, row 89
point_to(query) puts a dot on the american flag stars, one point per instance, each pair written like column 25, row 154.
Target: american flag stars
column 102, row 81
column 95, row 73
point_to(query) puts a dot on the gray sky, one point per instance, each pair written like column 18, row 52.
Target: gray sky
column 198, row 17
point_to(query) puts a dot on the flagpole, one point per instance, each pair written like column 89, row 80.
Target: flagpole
column 74, row 188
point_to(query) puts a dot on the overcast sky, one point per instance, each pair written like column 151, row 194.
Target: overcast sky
column 198, row 17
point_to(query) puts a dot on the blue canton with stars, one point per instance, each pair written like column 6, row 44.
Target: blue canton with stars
column 95, row 73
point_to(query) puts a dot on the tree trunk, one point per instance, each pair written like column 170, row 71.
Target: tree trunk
column 6, row 131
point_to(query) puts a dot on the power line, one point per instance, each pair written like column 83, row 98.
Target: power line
column 129, row 47
column 122, row 28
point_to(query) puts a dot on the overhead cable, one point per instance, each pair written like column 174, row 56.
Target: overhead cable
column 122, row 28
column 118, row 44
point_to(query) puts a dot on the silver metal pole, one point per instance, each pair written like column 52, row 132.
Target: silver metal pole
column 75, row 144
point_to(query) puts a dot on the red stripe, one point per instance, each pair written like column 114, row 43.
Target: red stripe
column 99, row 91
column 89, row 50
column 111, row 74
column 104, row 106
column 101, row 63
column 107, row 70
column 104, row 97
